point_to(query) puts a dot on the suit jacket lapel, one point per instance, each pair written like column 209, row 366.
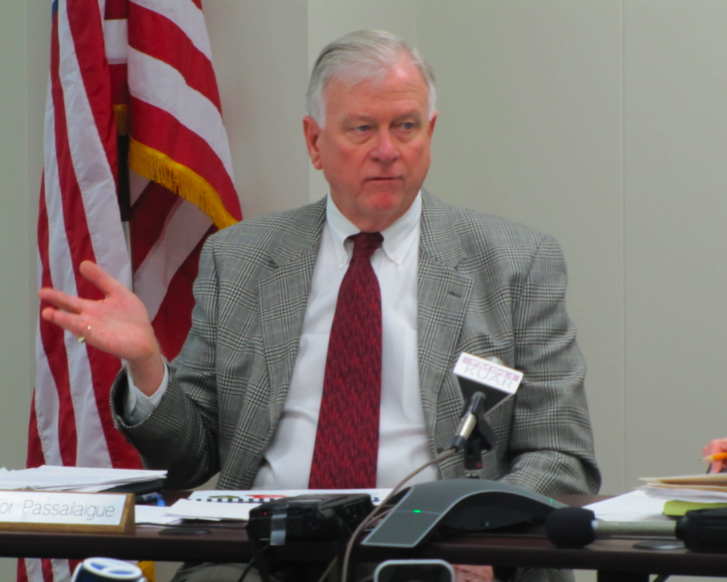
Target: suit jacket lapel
column 284, row 298
column 444, row 294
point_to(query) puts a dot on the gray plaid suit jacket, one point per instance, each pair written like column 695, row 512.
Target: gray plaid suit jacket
column 486, row 286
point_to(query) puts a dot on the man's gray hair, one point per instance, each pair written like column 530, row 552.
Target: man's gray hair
column 359, row 56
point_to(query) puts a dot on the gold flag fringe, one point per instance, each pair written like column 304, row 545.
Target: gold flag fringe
column 121, row 113
column 178, row 178
column 147, row 568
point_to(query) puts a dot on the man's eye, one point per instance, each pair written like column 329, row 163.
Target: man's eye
column 362, row 128
column 407, row 127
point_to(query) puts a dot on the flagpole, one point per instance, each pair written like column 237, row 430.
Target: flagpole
column 124, row 190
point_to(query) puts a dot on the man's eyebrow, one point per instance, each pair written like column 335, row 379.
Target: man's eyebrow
column 354, row 119
column 413, row 114
column 362, row 118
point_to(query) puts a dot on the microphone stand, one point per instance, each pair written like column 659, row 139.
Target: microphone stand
column 474, row 435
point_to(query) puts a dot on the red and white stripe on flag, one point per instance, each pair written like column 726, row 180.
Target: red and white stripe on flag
column 142, row 66
column 178, row 141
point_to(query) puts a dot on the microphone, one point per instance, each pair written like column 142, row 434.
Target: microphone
column 576, row 527
column 473, row 409
column 474, row 434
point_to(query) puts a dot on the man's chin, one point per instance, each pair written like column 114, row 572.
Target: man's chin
column 375, row 208
column 385, row 202
column 385, row 208
column 383, row 194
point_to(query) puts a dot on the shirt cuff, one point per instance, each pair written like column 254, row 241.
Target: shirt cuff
column 137, row 405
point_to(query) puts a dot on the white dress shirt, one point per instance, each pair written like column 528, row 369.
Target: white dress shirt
column 403, row 442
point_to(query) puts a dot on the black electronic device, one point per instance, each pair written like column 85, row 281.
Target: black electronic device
column 414, row 571
column 138, row 488
column 308, row 517
column 704, row 530
column 463, row 505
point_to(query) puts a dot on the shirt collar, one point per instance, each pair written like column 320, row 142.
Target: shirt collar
column 398, row 238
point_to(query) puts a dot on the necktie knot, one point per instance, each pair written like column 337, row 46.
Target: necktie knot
column 365, row 244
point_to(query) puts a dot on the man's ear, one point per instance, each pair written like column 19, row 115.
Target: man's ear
column 433, row 122
column 312, row 133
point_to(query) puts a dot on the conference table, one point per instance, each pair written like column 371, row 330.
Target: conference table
column 613, row 559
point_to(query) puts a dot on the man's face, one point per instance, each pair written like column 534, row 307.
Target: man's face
column 375, row 149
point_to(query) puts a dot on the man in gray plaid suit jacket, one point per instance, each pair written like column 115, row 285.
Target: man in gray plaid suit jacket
column 482, row 284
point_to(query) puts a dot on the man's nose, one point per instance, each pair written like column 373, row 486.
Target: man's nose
column 385, row 150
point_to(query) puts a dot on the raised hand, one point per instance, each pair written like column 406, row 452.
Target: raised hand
column 118, row 324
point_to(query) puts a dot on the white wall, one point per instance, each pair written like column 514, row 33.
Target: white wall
column 600, row 122
column 16, row 223
column 24, row 34
column 675, row 208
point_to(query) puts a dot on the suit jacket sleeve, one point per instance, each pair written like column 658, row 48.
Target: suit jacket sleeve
column 550, row 447
column 181, row 433
column 491, row 287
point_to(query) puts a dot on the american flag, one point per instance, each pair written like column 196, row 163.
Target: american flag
column 141, row 69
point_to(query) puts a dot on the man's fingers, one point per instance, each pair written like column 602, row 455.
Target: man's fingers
column 49, row 314
column 466, row 573
column 61, row 300
column 100, row 278
column 714, row 447
column 95, row 275
column 68, row 321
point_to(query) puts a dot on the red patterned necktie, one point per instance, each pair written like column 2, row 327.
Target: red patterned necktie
column 347, row 439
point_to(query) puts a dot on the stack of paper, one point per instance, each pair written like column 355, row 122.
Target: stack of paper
column 82, row 479
column 709, row 488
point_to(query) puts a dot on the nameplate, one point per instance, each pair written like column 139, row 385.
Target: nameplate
column 488, row 373
column 56, row 511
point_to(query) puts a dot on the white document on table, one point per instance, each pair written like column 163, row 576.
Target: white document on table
column 153, row 515
column 236, row 505
column 633, row 506
column 81, row 479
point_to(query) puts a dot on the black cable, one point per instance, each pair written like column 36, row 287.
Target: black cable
column 246, row 571
column 382, row 506
column 258, row 553
column 327, row 571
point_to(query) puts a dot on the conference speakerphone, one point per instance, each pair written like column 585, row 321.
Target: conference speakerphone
column 460, row 505
column 307, row 517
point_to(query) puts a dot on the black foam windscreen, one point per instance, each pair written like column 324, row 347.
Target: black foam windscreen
column 571, row 527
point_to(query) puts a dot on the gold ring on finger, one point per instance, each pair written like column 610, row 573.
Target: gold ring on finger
column 81, row 339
